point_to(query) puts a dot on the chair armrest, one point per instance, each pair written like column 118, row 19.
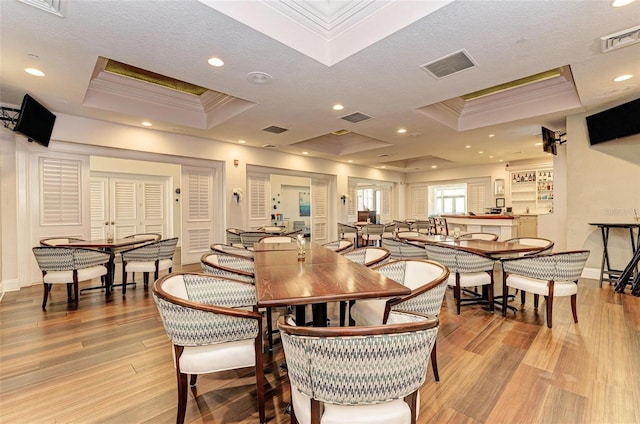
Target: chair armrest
column 86, row 258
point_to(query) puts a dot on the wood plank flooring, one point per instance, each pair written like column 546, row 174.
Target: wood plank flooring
column 112, row 363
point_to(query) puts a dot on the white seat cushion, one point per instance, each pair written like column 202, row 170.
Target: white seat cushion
column 395, row 411
column 165, row 264
column 60, row 277
column 218, row 357
column 368, row 312
column 533, row 285
column 471, row 279
column 148, row 266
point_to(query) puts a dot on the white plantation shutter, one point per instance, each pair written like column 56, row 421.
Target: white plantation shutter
column 98, row 204
column 385, row 206
column 199, row 194
column 319, row 211
column 60, row 188
column 351, row 204
column 419, row 203
column 476, row 197
column 153, row 197
column 259, row 187
column 198, row 215
column 124, row 205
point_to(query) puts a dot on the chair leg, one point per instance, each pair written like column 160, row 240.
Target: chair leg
column 536, row 300
column 457, row 293
column 260, row 379
column 69, row 298
column 549, row 300
column 316, row 411
column 270, row 329
column 490, row 294
column 124, row 279
column 193, row 379
column 47, row 289
column 523, row 296
column 412, row 401
column 573, row 307
column 182, row 387
column 76, row 291
column 343, row 313
column 145, row 278
column 434, row 363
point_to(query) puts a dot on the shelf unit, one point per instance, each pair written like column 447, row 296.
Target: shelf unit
column 532, row 190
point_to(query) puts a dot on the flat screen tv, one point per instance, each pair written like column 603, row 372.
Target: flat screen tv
column 620, row 121
column 35, row 121
column 549, row 141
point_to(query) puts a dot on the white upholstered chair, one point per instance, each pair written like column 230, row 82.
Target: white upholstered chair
column 372, row 233
column 358, row 375
column 207, row 321
column 428, row 283
column 65, row 265
column 479, row 236
column 339, row 246
column 552, row 275
column 467, row 269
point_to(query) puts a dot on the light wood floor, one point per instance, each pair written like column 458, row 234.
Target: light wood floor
column 111, row 363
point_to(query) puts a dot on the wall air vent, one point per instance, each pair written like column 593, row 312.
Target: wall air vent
column 448, row 65
column 620, row 39
column 356, row 117
column 341, row 132
column 275, row 130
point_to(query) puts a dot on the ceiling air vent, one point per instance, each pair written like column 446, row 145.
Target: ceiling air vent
column 449, row 65
column 275, row 130
column 356, row 117
column 620, row 39
column 268, row 146
column 341, row 132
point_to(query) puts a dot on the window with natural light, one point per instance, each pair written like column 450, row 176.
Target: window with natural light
column 448, row 199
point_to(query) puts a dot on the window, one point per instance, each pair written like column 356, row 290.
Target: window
column 448, row 199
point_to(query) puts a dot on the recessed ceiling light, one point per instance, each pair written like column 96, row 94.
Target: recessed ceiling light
column 500, row 160
column 622, row 78
column 480, row 152
column 402, row 131
column 215, row 61
column 338, row 107
column 620, row 3
column 350, row 161
column 467, row 146
column 34, row 71
column 434, row 166
column 383, row 167
column 539, row 144
column 146, row 124
column 491, row 135
column 491, row 157
column 241, row 141
column 305, row 153
column 260, row 78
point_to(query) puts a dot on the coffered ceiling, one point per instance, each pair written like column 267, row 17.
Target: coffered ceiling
column 469, row 82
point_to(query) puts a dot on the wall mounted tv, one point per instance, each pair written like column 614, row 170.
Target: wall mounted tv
column 617, row 122
column 549, row 141
column 35, row 121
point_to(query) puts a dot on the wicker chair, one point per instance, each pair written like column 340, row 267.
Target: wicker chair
column 207, row 322
column 55, row 241
column 339, row 246
column 551, row 276
column 358, row 374
column 372, row 233
column 479, row 236
column 349, row 232
column 428, row 283
column 233, row 236
column 231, row 250
column 65, row 265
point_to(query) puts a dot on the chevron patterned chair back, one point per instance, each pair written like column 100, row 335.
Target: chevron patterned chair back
column 428, row 283
column 339, row 246
column 552, row 275
column 66, row 265
column 374, row 372
column 207, row 321
column 231, row 250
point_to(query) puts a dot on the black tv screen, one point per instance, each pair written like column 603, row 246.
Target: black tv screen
column 549, row 141
column 620, row 121
column 35, row 121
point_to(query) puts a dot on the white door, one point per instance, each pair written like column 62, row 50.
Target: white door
column 319, row 211
column 385, row 204
column 127, row 206
column 197, row 212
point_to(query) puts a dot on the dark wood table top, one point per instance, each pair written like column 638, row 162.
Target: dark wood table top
column 324, row 276
column 484, row 247
column 104, row 244
column 635, row 224
column 271, row 247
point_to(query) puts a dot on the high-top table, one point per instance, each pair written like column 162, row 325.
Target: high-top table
column 605, row 267
column 323, row 276
column 110, row 247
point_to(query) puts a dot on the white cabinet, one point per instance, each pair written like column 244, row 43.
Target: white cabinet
column 528, row 226
column 532, row 191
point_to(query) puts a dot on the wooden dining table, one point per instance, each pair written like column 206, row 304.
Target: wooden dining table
column 111, row 247
column 495, row 249
column 323, row 276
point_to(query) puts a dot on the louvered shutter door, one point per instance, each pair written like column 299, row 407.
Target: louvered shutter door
column 60, row 192
column 319, row 211
column 124, row 207
column 99, row 201
column 153, row 211
column 351, row 204
column 259, row 188
column 476, row 197
column 419, row 203
column 385, row 207
column 197, row 213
